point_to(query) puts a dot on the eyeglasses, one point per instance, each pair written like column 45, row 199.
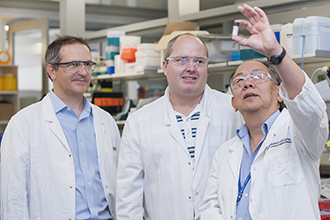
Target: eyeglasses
column 183, row 61
column 77, row 66
column 256, row 77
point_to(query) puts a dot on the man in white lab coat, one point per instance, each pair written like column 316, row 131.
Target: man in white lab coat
column 271, row 169
column 59, row 156
column 167, row 146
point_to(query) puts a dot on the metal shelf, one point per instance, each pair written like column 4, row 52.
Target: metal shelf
column 230, row 66
column 9, row 92
column 4, row 122
column 147, row 74
column 318, row 57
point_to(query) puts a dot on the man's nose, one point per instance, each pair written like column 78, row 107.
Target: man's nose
column 82, row 68
column 191, row 64
column 248, row 83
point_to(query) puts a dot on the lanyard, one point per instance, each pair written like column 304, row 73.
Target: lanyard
column 241, row 188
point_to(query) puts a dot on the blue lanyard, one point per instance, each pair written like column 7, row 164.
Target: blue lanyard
column 241, row 188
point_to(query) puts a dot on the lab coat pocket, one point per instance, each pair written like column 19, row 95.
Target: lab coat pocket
column 284, row 167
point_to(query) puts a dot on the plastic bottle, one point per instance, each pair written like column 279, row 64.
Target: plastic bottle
column 1, row 83
column 10, row 82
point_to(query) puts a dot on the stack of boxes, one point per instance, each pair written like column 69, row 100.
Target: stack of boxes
column 127, row 48
column 146, row 57
column 112, row 49
column 310, row 34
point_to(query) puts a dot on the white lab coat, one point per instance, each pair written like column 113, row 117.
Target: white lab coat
column 285, row 182
column 154, row 162
column 37, row 169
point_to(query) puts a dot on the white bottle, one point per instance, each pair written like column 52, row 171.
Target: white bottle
column 286, row 37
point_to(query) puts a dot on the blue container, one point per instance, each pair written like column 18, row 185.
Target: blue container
column 110, row 70
column 113, row 54
column 113, row 41
column 236, row 55
column 249, row 54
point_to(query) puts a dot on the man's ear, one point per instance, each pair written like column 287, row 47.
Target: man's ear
column 51, row 71
column 279, row 98
column 233, row 103
column 164, row 66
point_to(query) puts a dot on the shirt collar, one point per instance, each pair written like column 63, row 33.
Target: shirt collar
column 242, row 131
column 58, row 104
column 197, row 109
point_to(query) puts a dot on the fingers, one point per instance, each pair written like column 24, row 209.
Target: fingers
column 254, row 14
column 245, row 24
column 240, row 40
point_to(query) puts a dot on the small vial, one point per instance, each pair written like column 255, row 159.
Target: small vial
column 235, row 29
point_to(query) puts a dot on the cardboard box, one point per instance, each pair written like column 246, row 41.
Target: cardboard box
column 182, row 26
column 6, row 111
column 174, row 28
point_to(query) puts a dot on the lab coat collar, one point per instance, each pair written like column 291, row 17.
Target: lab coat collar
column 276, row 130
column 236, row 148
column 170, row 120
column 54, row 124
column 205, row 102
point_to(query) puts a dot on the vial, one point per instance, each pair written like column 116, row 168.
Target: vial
column 235, row 29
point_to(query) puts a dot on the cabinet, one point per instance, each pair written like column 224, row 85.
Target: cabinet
column 126, row 82
column 8, row 96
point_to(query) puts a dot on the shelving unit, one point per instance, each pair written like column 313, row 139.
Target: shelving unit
column 8, row 96
column 319, row 56
column 147, row 74
column 224, row 67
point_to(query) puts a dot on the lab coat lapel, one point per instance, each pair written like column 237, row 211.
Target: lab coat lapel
column 203, row 123
column 277, row 127
column 54, row 123
column 201, row 134
column 171, row 122
column 235, row 158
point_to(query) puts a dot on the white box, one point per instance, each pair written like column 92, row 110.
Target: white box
column 130, row 67
column 219, row 47
column 129, row 42
column 312, row 33
column 148, row 61
column 146, row 46
column 286, row 38
column 147, row 53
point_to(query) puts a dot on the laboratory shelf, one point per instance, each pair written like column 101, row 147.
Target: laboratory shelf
column 310, row 58
column 9, row 92
column 3, row 122
column 226, row 67
column 147, row 74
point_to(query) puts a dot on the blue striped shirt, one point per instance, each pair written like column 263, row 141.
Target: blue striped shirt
column 80, row 135
column 188, row 126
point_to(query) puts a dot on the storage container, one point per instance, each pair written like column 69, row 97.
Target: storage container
column 113, row 37
column 129, row 42
column 286, row 38
column 219, row 47
column 1, row 83
column 277, row 30
column 10, row 82
column 128, row 54
column 312, row 33
column 298, row 32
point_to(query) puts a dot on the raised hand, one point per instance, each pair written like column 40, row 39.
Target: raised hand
column 262, row 37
